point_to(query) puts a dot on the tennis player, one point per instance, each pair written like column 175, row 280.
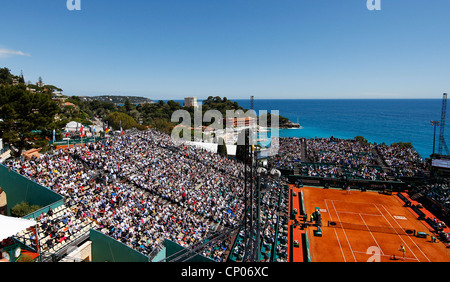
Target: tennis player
column 403, row 250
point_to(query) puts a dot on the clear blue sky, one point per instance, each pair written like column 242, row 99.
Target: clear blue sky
column 168, row 49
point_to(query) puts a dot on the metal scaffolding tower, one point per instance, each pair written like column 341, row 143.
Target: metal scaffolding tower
column 442, row 143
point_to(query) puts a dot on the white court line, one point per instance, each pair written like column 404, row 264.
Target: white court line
column 381, row 214
column 335, row 232
column 398, row 258
column 368, row 214
column 345, row 233
column 371, row 234
column 362, row 203
column 407, row 236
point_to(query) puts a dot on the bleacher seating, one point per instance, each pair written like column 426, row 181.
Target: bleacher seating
column 63, row 219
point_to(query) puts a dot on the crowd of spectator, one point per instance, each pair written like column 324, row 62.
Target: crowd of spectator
column 340, row 152
column 320, row 170
column 204, row 182
column 56, row 230
column 140, row 188
column 356, row 159
column 402, row 161
column 289, row 153
column 438, row 192
column 353, row 158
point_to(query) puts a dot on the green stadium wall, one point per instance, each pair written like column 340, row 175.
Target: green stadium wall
column 18, row 188
column 175, row 250
column 107, row 249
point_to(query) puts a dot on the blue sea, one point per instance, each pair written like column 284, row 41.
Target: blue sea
column 377, row 120
column 386, row 120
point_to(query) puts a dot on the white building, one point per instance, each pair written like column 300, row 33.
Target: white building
column 190, row 102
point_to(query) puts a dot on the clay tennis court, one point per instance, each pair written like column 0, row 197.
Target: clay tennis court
column 365, row 226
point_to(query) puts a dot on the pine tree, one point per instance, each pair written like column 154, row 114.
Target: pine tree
column 24, row 114
column 128, row 106
column 21, row 79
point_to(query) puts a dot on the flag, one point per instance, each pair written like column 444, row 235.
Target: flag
column 81, row 131
column 53, row 136
column 67, row 131
column 121, row 131
column 107, row 130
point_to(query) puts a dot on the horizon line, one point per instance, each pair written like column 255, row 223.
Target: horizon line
column 240, row 98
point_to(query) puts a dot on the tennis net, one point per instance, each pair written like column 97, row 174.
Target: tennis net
column 364, row 227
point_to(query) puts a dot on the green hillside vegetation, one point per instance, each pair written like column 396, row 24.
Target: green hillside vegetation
column 27, row 118
column 116, row 99
column 6, row 77
column 118, row 119
column 222, row 105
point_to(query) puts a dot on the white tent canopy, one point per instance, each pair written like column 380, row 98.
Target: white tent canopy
column 10, row 226
column 212, row 147
column 76, row 126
